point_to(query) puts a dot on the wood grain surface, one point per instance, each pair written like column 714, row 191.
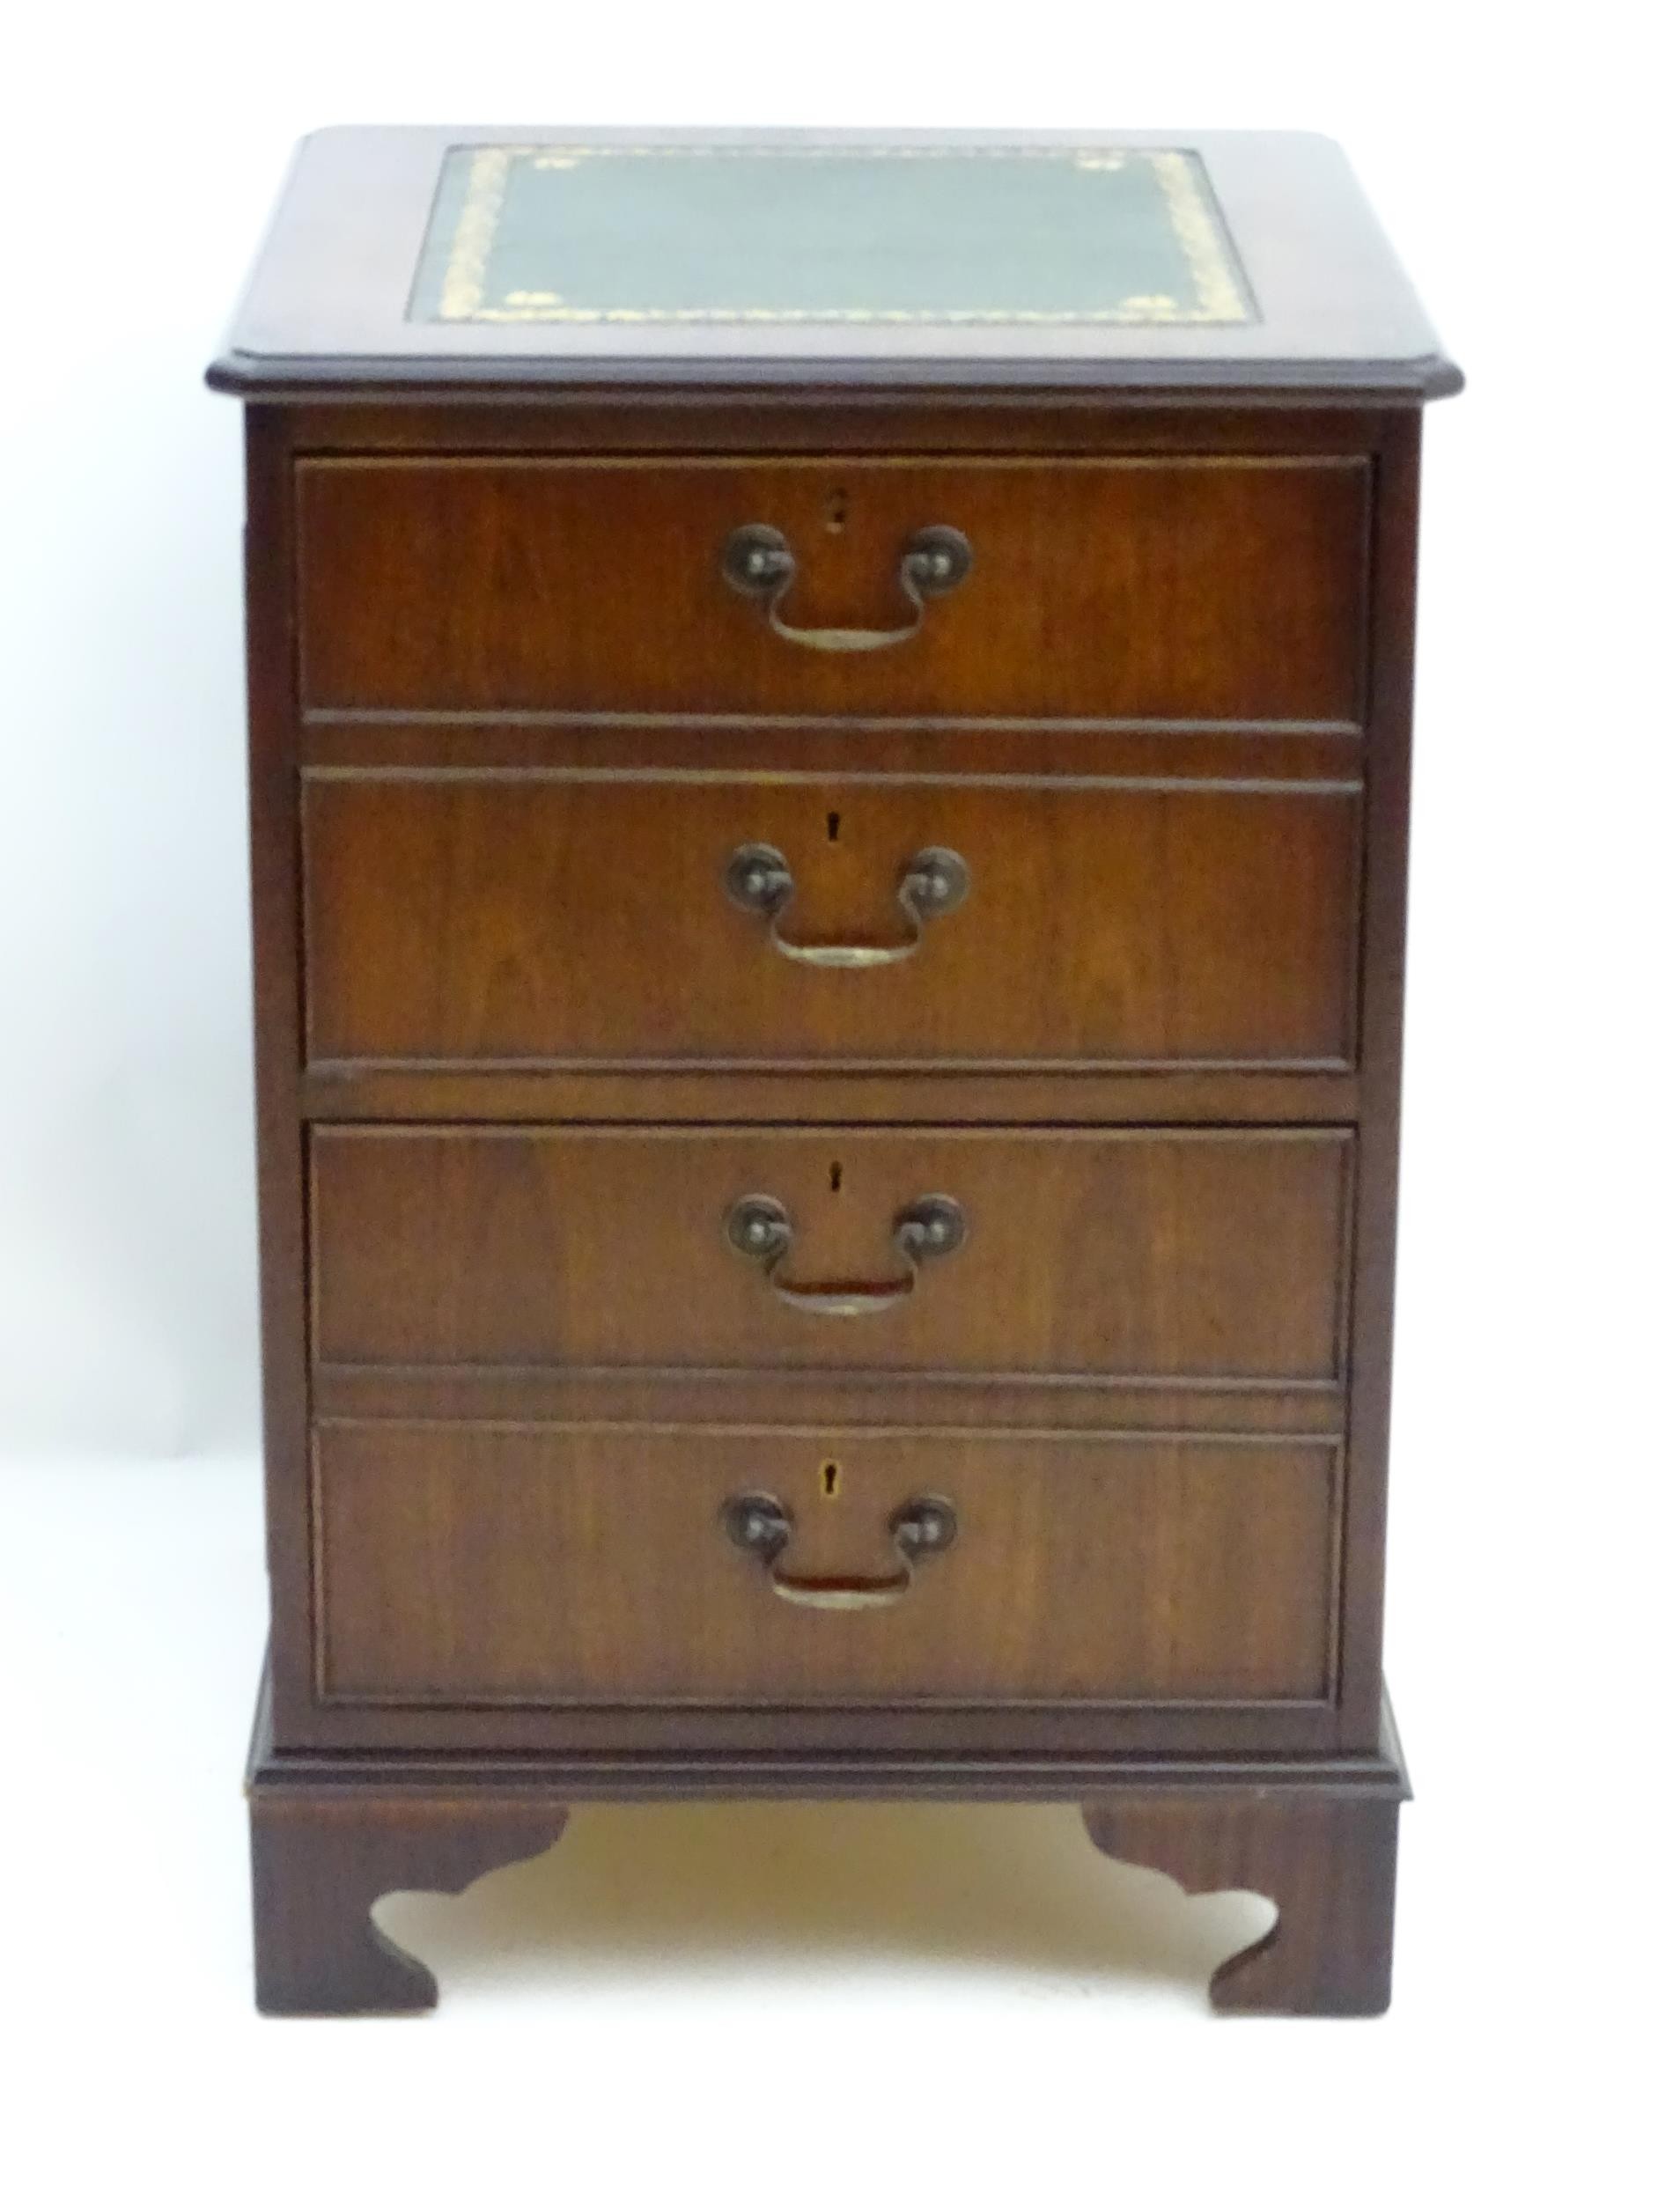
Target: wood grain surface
column 1171, row 588
column 522, row 918
column 464, row 1564
column 1217, row 1256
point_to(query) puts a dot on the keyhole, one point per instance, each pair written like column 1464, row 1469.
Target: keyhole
column 834, row 824
column 834, row 1176
column 830, row 1478
column 837, row 512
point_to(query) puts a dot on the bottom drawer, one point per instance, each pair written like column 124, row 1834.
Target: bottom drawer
column 464, row 1565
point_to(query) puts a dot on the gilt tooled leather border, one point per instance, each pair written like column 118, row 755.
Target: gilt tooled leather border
column 1220, row 293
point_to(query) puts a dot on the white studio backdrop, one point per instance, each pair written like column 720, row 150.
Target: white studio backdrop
column 1519, row 158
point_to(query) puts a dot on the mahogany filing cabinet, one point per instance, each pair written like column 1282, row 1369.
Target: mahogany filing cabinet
column 830, row 726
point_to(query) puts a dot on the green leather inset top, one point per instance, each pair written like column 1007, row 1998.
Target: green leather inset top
column 735, row 234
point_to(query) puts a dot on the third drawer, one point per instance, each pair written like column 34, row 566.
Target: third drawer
column 1198, row 1256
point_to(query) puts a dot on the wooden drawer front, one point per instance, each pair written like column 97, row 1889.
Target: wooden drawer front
column 1170, row 588
column 1188, row 1254
column 537, row 920
column 471, row 1564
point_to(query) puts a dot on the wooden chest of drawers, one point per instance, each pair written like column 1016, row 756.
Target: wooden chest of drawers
column 828, row 891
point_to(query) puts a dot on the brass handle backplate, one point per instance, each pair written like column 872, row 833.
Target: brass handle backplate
column 761, row 1228
column 760, row 1523
column 759, row 560
column 758, row 879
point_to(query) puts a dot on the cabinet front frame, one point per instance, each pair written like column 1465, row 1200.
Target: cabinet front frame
column 287, row 1099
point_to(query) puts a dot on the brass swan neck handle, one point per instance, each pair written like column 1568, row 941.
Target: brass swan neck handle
column 759, row 562
column 758, row 1522
column 759, row 880
column 761, row 1228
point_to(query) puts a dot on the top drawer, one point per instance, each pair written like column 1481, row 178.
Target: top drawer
column 1201, row 588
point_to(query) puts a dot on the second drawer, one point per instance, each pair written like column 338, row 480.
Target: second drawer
column 455, row 919
column 1180, row 1255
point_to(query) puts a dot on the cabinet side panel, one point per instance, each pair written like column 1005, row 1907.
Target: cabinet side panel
column 271, row 676
column 1382, row 994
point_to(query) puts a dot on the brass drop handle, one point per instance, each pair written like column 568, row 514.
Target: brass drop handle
column 759, row 560
column 760, row 1523
column 761, row 1228
column 758, row 879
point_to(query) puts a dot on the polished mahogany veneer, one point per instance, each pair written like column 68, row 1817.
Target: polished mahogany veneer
column 829, row 892
column 1101, row 923
column 1204, row 1256
column 1079, row 1568
column 1230, row 587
